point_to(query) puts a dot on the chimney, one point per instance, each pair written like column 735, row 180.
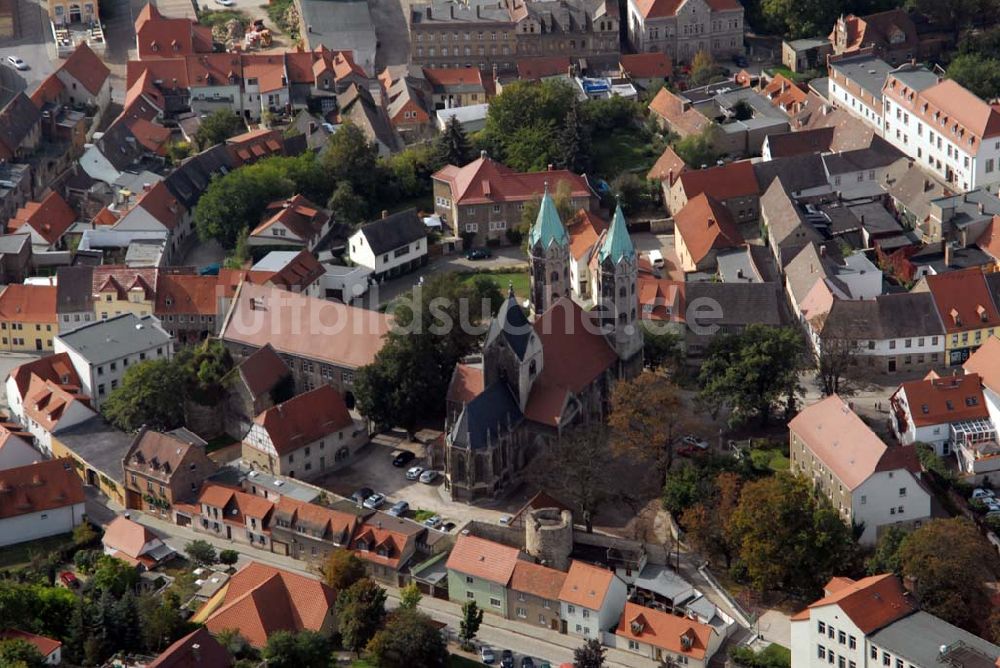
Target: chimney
column 385, row 213
column 551, row 168
column 822, row 250
column 982, row 208
column 670, row 177
column 862, row 219
column 947, row 254
column 428, row 11
column 482, row 154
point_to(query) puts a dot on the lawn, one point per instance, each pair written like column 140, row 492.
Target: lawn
column 623, row 150
column 776, row 460
column 421, row 515
column 20, row 555
column 788, row 74
column 215, row 17
column 520, row 279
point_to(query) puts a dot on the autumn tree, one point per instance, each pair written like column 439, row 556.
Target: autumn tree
column 950, row 564
column 341, row 569
column 706, row 522
column 702, row 68
column 786, row 538
column 647, row 417
column 575, row 468
column 409, row 596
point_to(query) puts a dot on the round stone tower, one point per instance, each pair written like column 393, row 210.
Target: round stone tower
column 548, row 536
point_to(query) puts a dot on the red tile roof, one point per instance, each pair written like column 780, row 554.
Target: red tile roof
column 705, row 224
column 453, row 76
column 305, row 418
column 45, row 646
column 262, row 370
column 485, row 180
column 162, row 37
column 50, row 218
column 39, row 487
column 989, row 240
column 872, row 603
column 483, row 559
column 261, row 600
column 237, row 505
column 269, row 70
column 584, row 231
column 121, row 280
column 646, row 65
column 533, row 69
column 536, row 579
column 683, row 118
column 49, row 91
column 56, row 368
column 950, row 102
column 127, row 537
column 466, row 383
column 668, row 167
column 336, row 524
column 586, row 585
column 197, row 649
column 302, row 218
column 46, row 402
column 986, row 362
column 735, row 179
column 28, row 303
column 386, row 540
column 785, row 93
column 940, row 400
column 660, row 298
column 186, row 294
column 162, row 205
column 963, row 300
column 86, row 67
column 678, row 635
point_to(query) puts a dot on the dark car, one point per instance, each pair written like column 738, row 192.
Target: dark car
column 478, row 254
column 362, row 494
column 506, row 659
column 527, row 662
column 402, row 458
column 740, row 61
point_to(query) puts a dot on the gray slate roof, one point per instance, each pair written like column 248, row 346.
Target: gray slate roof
column 486, row 417
column 125, row 334
column 784, row 220
column 512, row 324
column 797, row 172
column 918, row 638
column 741, row 303
column 393, row 231
column 74, row 289
column 17, row 119
column 893, row 316
column 99, row 444
column 867, row 71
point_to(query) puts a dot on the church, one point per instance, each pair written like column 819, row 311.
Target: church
column 546, row 365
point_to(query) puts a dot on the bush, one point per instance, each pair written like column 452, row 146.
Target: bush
column 772, row 656
column 229, row 557
column 84, row 560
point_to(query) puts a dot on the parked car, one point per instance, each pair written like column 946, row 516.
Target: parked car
column 527, row 662
column 225, row 3
column 433, row 522
column 506, row 659
column 982, row 493
column 740, row 61
column 402, row 457
column 428, row 476
column 17, row 63
column 448, row 527
column 690, row 451
column 414, row 472
column 487, row 655
column 479, row 254
column 656, row 258
column 399, row 509
column 505, row 520
column 362, row 494
column 694, row 441
column 375, row 501
column 992, row 505
column 69, row 580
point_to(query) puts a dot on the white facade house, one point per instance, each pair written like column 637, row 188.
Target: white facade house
column 45, row 499
column 682, row 29
column 941, row 412
column 591, row 600
column 944, row 127
column 393, row 245
column 157, row 210
column 101, row 352
column 15, row 451
column 856, row 82
column 49, row 408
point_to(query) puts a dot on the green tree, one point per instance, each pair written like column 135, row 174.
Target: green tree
column 662, row 349
column 748, row 373
column 786, row 538
column 702, row 68
column 19, row 653
column 631, row 191
column 698, row 150
column 957, row 14
column 452, row 146
column 573, row 140
column 409, row 596
column 84, row 534
column 217, row 128
column 347, row 206
column 886, row 557
column 305, row 649
column 126, row 631
column 472, row 619
column 177, row 151
column 160, row 620
column 234, row 201
column 204, row 366
column 350, row 157
column 978, row 73
column 523, row 121
column 114, row 576
column 409, row 638
column 589, row 655
column 562, row 197
column 148, row 395
column 360, row 613
column 412, row 169
column 241, row 254
column 228, row 557
column 341, row 569
column 950, row 564
column 201, row 552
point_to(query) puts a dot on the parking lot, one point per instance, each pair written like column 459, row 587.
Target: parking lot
column 373, row 468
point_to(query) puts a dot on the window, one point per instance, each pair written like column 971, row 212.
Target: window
column 633, row 645
column 495, row 602
column 902, row 491
column 586, row 614
column 852, row 642
column 469, row 594
column 522, row 613
column 821, row 651
column 571, row 610
column 841, row 637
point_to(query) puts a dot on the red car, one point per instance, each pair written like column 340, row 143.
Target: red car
column 69, row 580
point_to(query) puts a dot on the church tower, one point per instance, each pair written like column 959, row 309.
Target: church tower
column 617, row 295
column 548, row 250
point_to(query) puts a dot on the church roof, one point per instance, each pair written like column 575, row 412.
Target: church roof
column 617, row 243
column 485, row 418
column 548, row 228
column 512, row 324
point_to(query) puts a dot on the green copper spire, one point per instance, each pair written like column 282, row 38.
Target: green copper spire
column 548, row 228
column 617, row 243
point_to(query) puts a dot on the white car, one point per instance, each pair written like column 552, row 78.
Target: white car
column 433, row 522
column 225, row 3
column 982, row 494
column 17, row 63
column 428, row 476
column 693, row 440
column 487, row 655
column 414, row 473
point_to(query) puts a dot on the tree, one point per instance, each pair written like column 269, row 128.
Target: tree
column 452, row 146
column 409, row 596
column 360, row 613
column 233, row 642
column 886, row 558
column 177, row 151
column 837, row 358
column 702, row 68
column 523, row 121
column 589, row 655
column 631, row 191
column 957, row 14
column 471, row 620
column 698, row 150
column 409, row 638
column 84, row 534
column 573, row 140
column 148, row 396
column 749, row 372
column 19, row 653
column 662, row 349
column 201, row 552
column 647, row 417
column 305, row 649
column 217, row 128
column 235, row 201
column 705, row 523
column 160, row 621
column 349, row 157
column 113, row 576
column 978, row 73
column 229, row 557
column 561, row 197
column 125, row 628
column 348, row 208
column 786, row 538
column 341, row 569
column 412, row 169
column 204, row 366
column 575, row 467
column 950, row 564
